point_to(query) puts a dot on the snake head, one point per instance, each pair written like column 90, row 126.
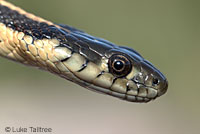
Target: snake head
column 114, row 70
column 143, row 81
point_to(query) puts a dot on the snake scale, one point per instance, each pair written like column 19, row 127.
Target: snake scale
column 91, row 62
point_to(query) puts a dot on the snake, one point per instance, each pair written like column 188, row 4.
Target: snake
column 91, row 62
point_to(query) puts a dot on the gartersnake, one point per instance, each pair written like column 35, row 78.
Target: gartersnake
column 91, row 62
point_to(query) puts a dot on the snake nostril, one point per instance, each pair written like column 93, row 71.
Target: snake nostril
column 155, row 81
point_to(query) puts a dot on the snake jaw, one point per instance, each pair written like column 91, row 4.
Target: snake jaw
column 139, row 90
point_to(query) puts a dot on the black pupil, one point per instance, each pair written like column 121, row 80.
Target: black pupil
column 118, row 65
column 155, row 81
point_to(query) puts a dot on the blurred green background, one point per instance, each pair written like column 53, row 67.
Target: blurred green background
column 166, row 32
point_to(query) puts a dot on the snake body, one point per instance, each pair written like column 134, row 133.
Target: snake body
column 89, row 61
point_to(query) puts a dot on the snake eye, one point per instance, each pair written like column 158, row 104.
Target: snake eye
column 119, row 65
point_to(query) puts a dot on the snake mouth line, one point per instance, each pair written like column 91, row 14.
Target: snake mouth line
column 141, row 90
column 123, row 96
